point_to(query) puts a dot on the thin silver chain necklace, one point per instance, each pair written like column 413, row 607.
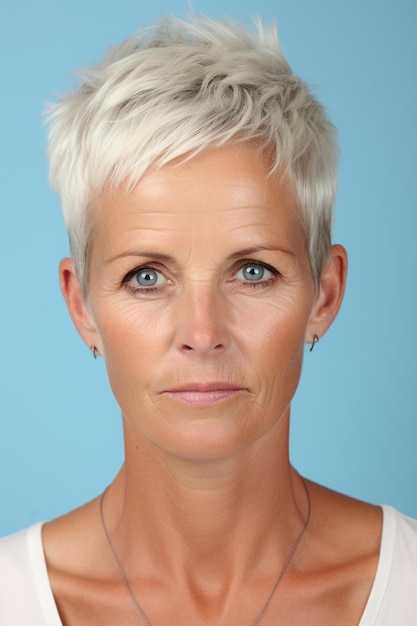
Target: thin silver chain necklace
column 271, row 594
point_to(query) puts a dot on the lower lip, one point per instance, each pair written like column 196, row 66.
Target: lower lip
column 203, row 398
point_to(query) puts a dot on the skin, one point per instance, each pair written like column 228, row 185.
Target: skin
column 204, row 364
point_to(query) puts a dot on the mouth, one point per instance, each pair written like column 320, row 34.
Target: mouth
column 204, row 394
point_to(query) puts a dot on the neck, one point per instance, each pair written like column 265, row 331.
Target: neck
column 219, row 516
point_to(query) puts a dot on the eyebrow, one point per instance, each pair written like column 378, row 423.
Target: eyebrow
column 253, row 249
column 159, row 256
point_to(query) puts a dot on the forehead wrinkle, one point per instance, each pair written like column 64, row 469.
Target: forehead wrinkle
column 257, row 230
column 146, row 240
column 149, row 229
column 239, row 194
column 153, row 217
column 170, row 212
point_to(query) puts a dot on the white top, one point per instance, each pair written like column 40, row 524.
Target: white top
column 26, row 597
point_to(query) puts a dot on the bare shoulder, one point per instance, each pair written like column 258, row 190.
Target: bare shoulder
column 341, row 555
column 71, row 542
column 332, row 575
column 352, row 524
column 78, row 568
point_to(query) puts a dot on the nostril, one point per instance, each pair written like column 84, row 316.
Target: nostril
column 188, row 348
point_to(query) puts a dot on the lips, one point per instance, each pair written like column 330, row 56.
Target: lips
column 204, row 394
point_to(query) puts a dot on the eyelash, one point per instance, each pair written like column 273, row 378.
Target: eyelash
column 258, row 283
column 242, row 264
column 126, row 280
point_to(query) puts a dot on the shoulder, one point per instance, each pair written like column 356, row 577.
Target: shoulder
column 401, row 533
column 393, row 599
column 25, row 596
column 374, row 549
column 17, row 554
column 66, row 537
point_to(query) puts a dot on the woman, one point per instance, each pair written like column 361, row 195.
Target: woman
column 197, row 177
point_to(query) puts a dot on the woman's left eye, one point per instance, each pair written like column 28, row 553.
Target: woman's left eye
column 254, row 273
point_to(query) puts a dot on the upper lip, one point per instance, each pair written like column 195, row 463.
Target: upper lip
column 205, row 387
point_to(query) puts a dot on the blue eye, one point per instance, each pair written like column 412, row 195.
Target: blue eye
column 147, row 277
column 254, row 272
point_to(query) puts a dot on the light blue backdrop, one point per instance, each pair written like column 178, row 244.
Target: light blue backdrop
column 354, row 420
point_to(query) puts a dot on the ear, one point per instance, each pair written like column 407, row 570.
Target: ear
column 330, row 296
column 77, row 307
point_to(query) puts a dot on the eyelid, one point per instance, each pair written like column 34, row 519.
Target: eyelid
column 246, row 262
column 238, row 266
column 141, row 268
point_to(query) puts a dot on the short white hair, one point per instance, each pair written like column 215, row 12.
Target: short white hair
column 173, row 90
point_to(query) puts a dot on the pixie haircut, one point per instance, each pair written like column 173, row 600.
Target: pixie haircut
column 173, row 90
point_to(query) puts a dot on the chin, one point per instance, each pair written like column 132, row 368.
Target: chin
column 208, row 440
column 203, row 434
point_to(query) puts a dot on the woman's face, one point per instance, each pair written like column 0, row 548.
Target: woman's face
column 201, row 293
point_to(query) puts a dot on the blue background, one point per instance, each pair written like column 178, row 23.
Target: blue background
column 354, row 419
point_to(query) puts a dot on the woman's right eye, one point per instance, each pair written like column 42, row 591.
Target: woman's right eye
column 146, row 278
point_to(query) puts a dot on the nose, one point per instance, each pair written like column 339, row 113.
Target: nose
column 203, row 326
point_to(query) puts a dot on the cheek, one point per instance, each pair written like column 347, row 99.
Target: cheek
column 133, row 339
column 277, row 348
column 279, row 325
column 127, row 328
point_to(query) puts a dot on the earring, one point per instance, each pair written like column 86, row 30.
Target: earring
column 315, row 340
column 94, row 351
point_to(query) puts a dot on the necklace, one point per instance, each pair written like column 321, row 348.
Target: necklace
column 271, row 594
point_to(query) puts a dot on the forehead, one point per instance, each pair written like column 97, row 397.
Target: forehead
column 223, row 193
